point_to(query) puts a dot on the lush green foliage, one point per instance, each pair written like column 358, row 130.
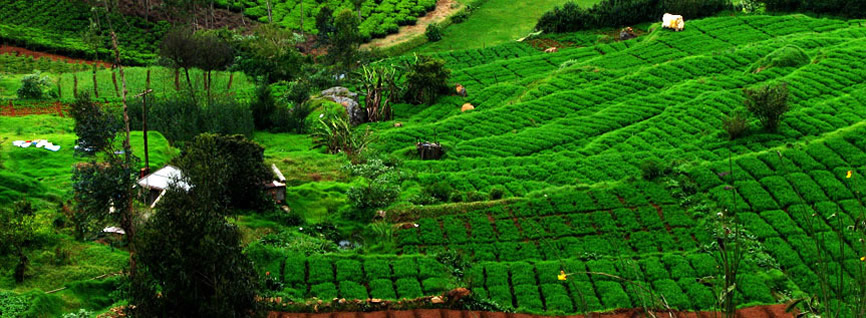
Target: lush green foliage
column 58, row 27
column 617, row 13
column 848, row 8
column 569, row 140
column 768, row 103
column 378, row 18
column 226, row 172
column 206, row 274
column 426, row 78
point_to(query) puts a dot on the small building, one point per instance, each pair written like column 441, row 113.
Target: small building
column 158, row 182
column 276, row 189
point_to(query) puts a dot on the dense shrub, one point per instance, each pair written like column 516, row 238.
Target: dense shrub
column 180, row 117
column 426, row 79
column 846, row 8
column 768, row 104
column 616, row 13
column 263, row 107
column 433, row 32
column 736, row 125
column 32, row 86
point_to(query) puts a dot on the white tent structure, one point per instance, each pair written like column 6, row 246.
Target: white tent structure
column 159, row 181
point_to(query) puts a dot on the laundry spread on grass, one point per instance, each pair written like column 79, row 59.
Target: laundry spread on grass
column 44, row 144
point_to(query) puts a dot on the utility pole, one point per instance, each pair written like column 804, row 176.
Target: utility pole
column 143, row 95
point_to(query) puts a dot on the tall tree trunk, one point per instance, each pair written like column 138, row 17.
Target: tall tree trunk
column 177, row 78
column 270, row 17
column 59, row 89
column 144, row 120
column 95, row 84
column 209, row 82
column 231, row 78
column 126, row 218
column 189, row 83
column 74, row 85
column 114, row 80
column 147, row 14
column 243, row 8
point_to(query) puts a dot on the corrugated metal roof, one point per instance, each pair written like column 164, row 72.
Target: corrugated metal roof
column 162, row 178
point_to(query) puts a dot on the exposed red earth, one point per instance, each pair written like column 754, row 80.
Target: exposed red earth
column 48, row 108
column 774, row 311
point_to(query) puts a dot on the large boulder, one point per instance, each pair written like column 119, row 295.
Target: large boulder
column 341, row 95
column 339, row 91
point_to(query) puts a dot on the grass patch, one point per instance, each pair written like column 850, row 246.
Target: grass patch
column 495, row 22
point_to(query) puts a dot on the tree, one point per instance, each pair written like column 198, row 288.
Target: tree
column 346, row 39
column 325, row 25
column 214, row 54
column 270, row 55
column 17, row 229
column 192, row 263
column 358, row 4
column 226, row 171
column 103, row 189
column 383, row 187
column 427, row 78
column 768, row 104
column 263, row 107
column 181, row 48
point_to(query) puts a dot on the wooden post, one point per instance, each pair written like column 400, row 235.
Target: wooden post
column 144, row 120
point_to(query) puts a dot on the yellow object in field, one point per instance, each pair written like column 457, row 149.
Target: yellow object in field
column 675, row 24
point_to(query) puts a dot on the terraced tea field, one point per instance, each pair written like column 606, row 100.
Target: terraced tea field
column 563, row 137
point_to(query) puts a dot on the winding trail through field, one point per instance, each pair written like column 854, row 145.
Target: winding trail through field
column 444, row 8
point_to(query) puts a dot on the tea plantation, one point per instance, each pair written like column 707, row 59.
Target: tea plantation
column 564, row 136
column 596, row 177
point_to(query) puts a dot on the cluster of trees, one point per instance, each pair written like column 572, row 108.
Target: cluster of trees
column 206, row 274
column 616, row 13
column 845, row 8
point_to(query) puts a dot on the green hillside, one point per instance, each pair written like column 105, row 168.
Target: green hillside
column 592, row 179
column 565, row 135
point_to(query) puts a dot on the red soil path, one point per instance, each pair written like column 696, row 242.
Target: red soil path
column 14, row 50
column 774, row 311
column 55, row 108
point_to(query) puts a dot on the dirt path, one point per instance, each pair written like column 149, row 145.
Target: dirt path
column 444, row 8
column 14, row 50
